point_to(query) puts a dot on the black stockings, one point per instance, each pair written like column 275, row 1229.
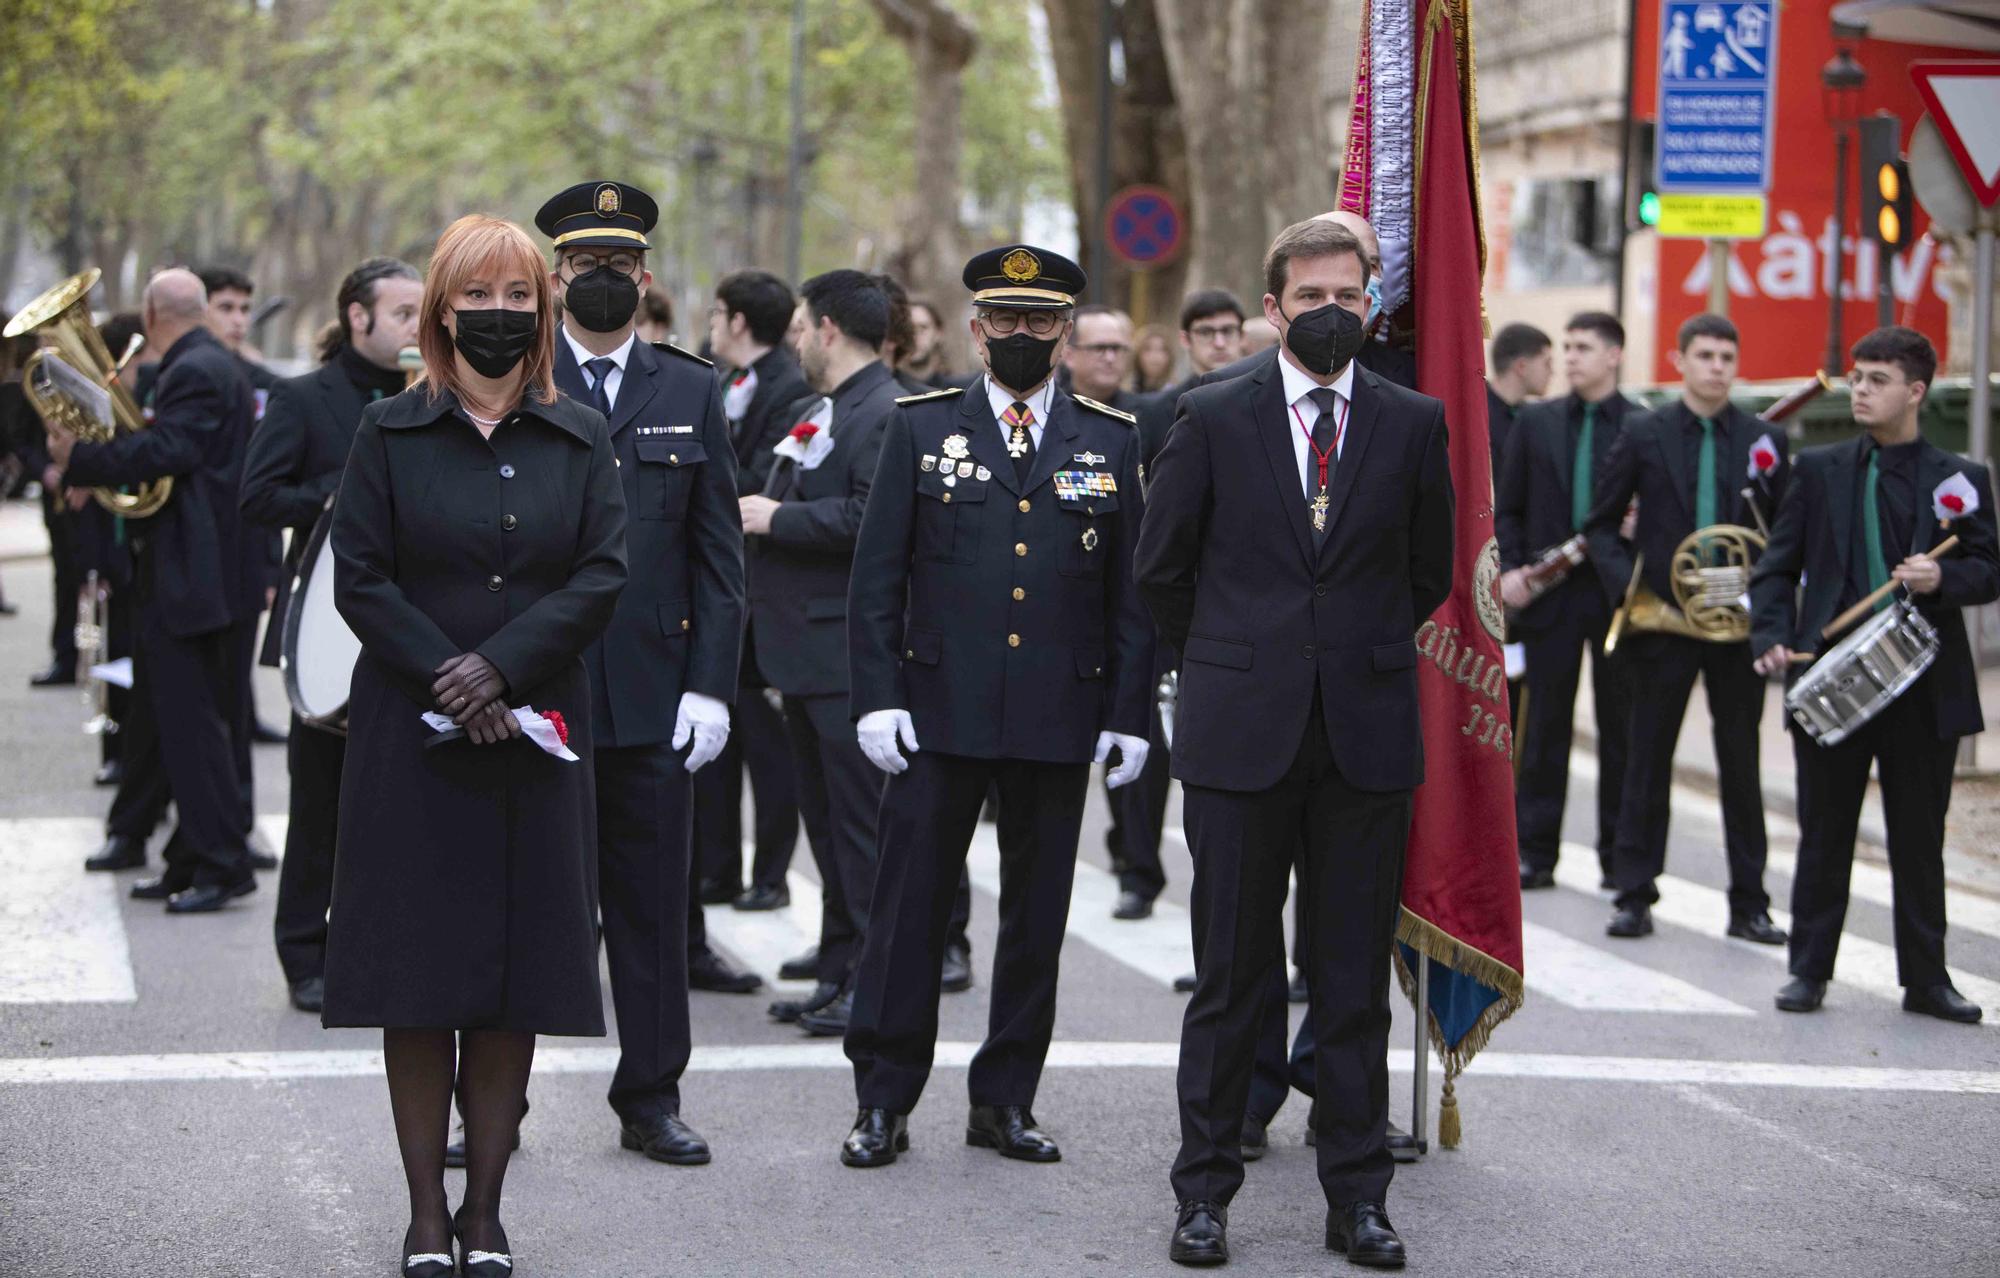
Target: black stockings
column 490, row 1069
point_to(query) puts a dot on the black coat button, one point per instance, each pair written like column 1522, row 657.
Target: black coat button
column 507, row 470
column 1306, row 652
column 508, row 523
column 494, row 582
column 1319, row 589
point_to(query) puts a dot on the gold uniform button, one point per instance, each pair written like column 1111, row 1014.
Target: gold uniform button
column 673, row 459
column 911, row 653
column 1021, row 549
column 617, row 461
column 1013, row 641
column 685, row 623
column 1019, row 594
column 1025, row 507
column 947, row 498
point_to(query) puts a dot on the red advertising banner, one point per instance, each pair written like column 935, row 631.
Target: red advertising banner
column 1779, row 286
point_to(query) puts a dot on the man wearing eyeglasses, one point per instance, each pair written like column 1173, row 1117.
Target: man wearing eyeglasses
column 1099, row 357
column 995, row 639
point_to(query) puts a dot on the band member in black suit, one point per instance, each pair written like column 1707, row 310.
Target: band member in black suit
column 1300, row 528
column 1825, row 540
column 296, row 456
column 479, row 551
column 992, row 619
column 1544, row 495
column 746, row 330
column 1523, row 361
column 662, row 675
column 1688, row 465
column 200, row 583
column 801, row 533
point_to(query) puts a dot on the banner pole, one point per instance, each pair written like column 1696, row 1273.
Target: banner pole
column 1420, row 1121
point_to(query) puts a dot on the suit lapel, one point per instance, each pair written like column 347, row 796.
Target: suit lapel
column 1840, row 496
column 1673, row 451
column 569, row 377
column 976, row 421
column 635, row 389
column 1561, row 461
column 1934, row 466
column 1274, row 426
column 1362, row 410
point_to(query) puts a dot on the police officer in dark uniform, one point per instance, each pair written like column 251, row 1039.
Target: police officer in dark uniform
column 199, row 587
column 293, row 466
column 663, row 675
column 996, row 637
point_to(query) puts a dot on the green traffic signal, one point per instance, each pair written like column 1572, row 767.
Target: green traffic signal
column 1649, row 208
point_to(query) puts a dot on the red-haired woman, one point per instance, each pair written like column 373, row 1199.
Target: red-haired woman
column 479, row 549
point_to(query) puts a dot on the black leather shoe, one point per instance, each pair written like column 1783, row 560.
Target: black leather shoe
column 1943, row 1002
column 262, row 859
column 1201, row 1235
column 111, row 773
column 719, row 891
column 1630, row 921
column 56, row 675
column 1011, row 1130
column 1296, row 992
column 120, row 852
column 830, row 1021
column 710, row 971
column 309, row 995
column 955, row 976
column 1801, row 994
column 804, row 967
column 264, row 734
column 1401, row 1145
column 1184, row 984
column 664, row 1138
column 787, row 1011
column 759, row 897
column 1758, row 928
column 1533, row 880
column 159, row 889
column 1363, row 1231
column 1256, row 1140
column 1133, row 905
column 877, row 1138
column 209, row 897
column 475, row 1263
column 427, row 1264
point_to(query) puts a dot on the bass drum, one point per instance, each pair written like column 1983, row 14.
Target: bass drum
column 319, row 649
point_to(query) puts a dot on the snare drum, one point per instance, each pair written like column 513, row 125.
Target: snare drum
column 1863, row 673
column 319, row 649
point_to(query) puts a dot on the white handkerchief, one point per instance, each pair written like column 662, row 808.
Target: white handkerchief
column 537, row 729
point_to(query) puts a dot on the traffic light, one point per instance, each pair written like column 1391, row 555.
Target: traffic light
column 1886, row 205
column 1642, row 195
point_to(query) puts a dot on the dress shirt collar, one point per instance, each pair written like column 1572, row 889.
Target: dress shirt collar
column 1298, row 385
column 1002, row 399
column 583, row 355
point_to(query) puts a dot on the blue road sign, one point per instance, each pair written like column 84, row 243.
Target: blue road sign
column 1718, row 95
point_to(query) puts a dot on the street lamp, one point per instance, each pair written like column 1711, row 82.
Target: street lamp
column 1841, row 82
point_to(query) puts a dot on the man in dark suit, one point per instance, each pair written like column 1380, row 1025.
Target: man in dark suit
column 293, row 466
column 1691, row 465
column 1523, row 361
column 746, row 330
column 802, row 531
column 1300, row 529
column 662, row 675
column 1555, row 458
column 992, row 618
column 199, row 585
column 1826, row 540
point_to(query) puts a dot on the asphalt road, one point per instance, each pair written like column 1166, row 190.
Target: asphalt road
column 163, row 1110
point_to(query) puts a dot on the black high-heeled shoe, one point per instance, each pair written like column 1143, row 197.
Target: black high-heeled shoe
column 474, row 1263
column 428, row 1264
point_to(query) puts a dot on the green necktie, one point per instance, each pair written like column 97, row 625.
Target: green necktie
column 1871, row 527
column 1704, row 480
column 1579, row 484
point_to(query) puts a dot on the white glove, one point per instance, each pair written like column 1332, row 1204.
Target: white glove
column 704, row 720
column 1131, row 757
column 877, row 731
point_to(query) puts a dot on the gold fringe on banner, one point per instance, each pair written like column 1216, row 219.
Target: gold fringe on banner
column 1443, row 948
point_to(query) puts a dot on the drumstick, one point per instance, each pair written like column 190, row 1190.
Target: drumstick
column 1860, row 610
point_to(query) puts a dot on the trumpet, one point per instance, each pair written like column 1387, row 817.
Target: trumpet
column 93, row 646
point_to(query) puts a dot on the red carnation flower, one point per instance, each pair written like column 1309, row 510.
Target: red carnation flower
column 1953, row 503
column 1764, row 458
column 804, row 431
column 738, row 379
column 562, row 729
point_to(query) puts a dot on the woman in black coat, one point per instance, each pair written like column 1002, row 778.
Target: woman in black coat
column 479, row 547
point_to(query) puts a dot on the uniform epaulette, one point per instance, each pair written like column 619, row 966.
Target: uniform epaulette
column 683, row 353
column 946, row 393
column 1106, row 409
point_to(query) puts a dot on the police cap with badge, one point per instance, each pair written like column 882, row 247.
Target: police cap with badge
column 599, row 214
column 1022, row 277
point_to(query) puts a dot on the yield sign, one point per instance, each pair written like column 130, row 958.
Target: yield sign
column 1964, row 99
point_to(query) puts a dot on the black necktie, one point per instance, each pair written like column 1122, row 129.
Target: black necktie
column 1325, row 435
column 600, row 370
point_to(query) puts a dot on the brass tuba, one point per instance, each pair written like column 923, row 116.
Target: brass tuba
column 73, row 383
column 1709, row 576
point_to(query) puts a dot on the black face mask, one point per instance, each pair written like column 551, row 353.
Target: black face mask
column 494, row 341
column 602, row 300
column 1325, row 338
column 1020, row 362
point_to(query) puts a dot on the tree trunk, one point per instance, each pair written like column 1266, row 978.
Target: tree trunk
column 1254, row 95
